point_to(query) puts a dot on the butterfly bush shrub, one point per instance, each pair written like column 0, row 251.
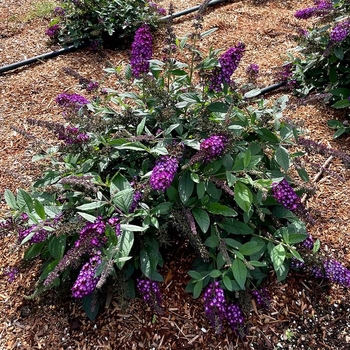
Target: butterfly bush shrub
column 322, row 61
column 95, row 21
column 181, row 154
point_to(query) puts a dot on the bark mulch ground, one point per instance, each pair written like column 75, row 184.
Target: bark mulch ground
column 304, row 313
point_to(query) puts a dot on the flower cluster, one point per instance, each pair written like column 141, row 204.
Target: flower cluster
column 150, row 293
column 52, row 31
column 71, row 101
column 86, row 282
column 72, row 135
column 39, row 236
column 336, row 272
column 213, row 146
column 340, row 31
column 217, row 310
column 141, row 51
column 228, row 64
column 163, row 173
column 285, row 194
column 262, row 297
column 92, row 86
column 11, row 273
column 160, row 10
column 308, row 243
column 115, row 223
column 322, row 7
column 253, row 68
column 94, row 232
column 59, row 11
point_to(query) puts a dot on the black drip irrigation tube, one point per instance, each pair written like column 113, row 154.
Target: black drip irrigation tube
column 73, row 48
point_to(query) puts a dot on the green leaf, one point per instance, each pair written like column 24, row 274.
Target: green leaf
column 252, row 93
column 252, row 247
column 140, row 127
column 149, row 260
column 87, row 217
column 195, row 178
column 33, row 250
column 186, row 186
column 235, row 227
column 239, row 272
column 213, row 192
column 39, row 209
column 339, row 52
column 57, row 246
column 247, row 158
column 282, row 158
column 92, row 205
column 124, row 245
column 133, row 228
column 339, row 132
column 268, row 136
column 243, row 196
column 296, row 237
column 195, row 275
column 90, row 306
column 200, row 190
column 227, row 283
column 303, row 174
column 278, row 255
column 10, row 199
column 123, row 200
column 162, row 208
column 212, row 241
column 341, row 104
column 25, row 201
column 202, row 219
column 198, row 287
column 218, row 107
column 172, row 194
column 219, row 209
column 316, row 246
column 215, row 273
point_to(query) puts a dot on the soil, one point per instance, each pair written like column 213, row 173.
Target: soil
column 304, row 313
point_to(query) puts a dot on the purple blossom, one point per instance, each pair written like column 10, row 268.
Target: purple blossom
column 86, row 282
column 285, row 195
column 71, row 101
column 94, row 231
column 322, row 7
column 340, row 31
column 160, row 10
column 11, row 273
column 141, row 51
column 235, row 317
column 336, row 272
column 115, row 223
column 262, row 297
column 215, row 305
column 228, row 64
column 213, row 146
column 150, row 293
column 308, row 243
column 163, row 173
column 52, row 31
column 72, row 135
column 39, row 236
column 135, row 200
column 253, row 68
column 92, row 86
column 59, row 11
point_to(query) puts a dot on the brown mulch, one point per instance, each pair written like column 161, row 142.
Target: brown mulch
column 304, row 313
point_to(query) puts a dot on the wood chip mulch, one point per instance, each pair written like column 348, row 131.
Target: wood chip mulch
column 304, row 313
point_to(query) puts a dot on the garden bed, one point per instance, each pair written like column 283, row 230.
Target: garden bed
column 303, row 313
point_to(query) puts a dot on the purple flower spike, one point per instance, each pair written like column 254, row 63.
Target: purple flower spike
column 340, row 31
column 52, row 31
column 86, row 281
column 235, row 317
column 150, row 293
column 213, row 146
column 141, row 51
column 163, row 173
column 337, row 273
column 229, row 62
column 285, row 194
column 215, row 306
column 71, row 100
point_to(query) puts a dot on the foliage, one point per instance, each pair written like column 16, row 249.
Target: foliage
column 80, row 21
column 321, row 62
column 169, row 157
